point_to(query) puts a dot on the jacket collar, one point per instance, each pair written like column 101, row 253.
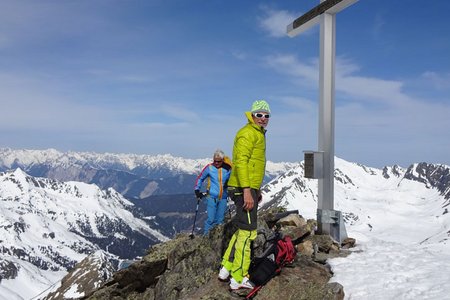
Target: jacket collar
column 249, row 116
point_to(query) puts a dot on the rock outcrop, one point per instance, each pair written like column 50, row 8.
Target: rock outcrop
column 186, row 268
column 87, row 276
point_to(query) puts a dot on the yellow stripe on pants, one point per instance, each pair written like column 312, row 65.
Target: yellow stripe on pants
column 237, row 256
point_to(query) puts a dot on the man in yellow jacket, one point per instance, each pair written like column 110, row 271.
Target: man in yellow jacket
column 249, row 164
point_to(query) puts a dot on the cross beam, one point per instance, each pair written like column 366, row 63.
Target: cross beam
column 329, row 221
column 312, row 17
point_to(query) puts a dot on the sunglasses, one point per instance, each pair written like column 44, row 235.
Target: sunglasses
column 260, row 115
column 218, row 161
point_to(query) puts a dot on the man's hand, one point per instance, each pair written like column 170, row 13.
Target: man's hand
column 248, row 200
column 198, row 194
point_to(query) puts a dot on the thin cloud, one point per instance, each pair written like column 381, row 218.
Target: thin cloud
column 34, row 22
column 439, row 81
column 290, row 65
column 38, row 106
column 371, row 113
column 136, row 79
column 179, row 112
column 275, row 22
column 239, row 55
column 37, row 109
column 378, row 25
column 345, row 66
column 357, row 87
column 371, row 89
column 299, row 104
column 66, row 78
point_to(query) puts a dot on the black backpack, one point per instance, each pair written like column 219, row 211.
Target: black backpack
column 278, row 251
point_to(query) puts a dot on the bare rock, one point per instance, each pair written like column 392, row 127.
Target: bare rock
column 185, row 268
column 306, row 248
column 292, row 220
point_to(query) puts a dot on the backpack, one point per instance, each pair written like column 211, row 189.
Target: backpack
column 278, row 251
column 227, row 161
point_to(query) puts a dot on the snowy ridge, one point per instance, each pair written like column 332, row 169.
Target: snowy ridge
column 88, row 275
column 399, row 218
column 431, row 175
column 47, row 226
column 134, row 176
column 11, row 159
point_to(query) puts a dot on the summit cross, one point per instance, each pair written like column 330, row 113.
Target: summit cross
column 329, row 220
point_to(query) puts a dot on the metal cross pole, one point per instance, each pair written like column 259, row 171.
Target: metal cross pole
column 322, row 161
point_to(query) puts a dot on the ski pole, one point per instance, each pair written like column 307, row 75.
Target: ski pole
column 195, row 218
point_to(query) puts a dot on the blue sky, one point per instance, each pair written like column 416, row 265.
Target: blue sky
column 154, row 77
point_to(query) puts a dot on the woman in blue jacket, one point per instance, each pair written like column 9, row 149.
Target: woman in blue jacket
column 217, row 173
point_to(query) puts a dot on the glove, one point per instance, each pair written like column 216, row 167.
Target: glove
column 198, row 194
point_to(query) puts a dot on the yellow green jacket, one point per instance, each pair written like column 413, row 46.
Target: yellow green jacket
column 249, row 156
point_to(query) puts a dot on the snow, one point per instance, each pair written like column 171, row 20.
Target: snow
column 72, row 293
column 380, row 269
column 29, row 283
column 125, row 162
column 402, row 233
column 400, row 226
column 37, row 218
column 399, row 257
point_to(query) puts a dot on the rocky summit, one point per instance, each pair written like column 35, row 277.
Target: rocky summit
column 187, row 268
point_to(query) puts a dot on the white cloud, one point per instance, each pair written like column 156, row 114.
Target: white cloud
column 290, row 65
column 371, row 89
column 357, row 87
column 345, row 66
column 374, row 117
column 275, row 22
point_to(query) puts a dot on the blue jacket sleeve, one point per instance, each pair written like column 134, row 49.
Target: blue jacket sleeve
column 201, row 177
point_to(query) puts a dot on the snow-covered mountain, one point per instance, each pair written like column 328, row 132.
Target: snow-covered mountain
column 47, row 226
column 399, row 218
column 87, row 276
column 354, row 182
column 132, row 175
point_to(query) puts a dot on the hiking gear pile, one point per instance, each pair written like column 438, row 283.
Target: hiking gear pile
column 278, row 252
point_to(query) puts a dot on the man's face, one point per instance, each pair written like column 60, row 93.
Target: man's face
column 217, row 161
column 261, row 118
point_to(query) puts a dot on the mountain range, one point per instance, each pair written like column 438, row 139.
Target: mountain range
column 134, row 176
column 354, row 183
column 47, row 226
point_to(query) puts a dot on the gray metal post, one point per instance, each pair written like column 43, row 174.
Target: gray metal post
column 329, row 221
column 326, row 114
